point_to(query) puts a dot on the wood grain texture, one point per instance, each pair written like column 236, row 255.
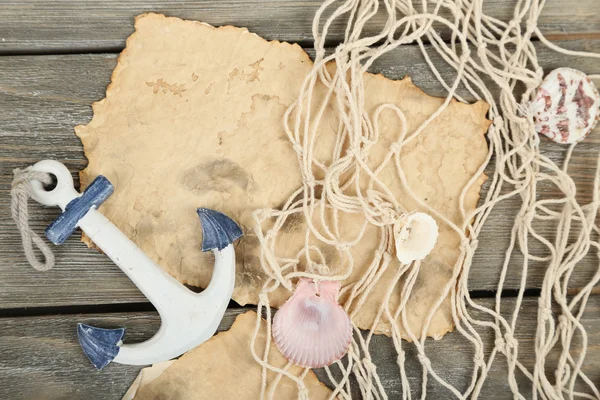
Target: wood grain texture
column 41, row 358
column 43, row 97
column 91, row 25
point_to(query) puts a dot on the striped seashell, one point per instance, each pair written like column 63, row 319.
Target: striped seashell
column 565, row 107
column 311, row 329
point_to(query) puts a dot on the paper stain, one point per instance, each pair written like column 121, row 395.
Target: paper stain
column 209, row 88
column 251, row 76
column 160, row 84
column 216, row 175
column 293, row 223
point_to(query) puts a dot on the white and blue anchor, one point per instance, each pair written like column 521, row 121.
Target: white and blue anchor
column 188, row 318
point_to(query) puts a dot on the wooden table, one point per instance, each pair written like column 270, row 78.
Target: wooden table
column 56, row 58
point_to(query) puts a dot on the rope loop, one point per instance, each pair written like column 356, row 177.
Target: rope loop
column 510, row 340
column 424, row 360
column 478, row 360
column 563, row 374
column 396, row 148
column 303, row 393
column 369, row 364
column 481, row 49
column 401, row 358
column 310, row 181
column 20, row 193
column 500, row 344
column 546, row 314
column 263, row 298
column 465, row 56
column 563, row 321
column 298, row 148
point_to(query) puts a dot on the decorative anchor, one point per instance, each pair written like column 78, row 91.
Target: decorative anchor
column 188, row 318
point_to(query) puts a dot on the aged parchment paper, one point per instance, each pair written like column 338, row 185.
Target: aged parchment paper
column 146, row 375
column 223, row 368
column 193, row 118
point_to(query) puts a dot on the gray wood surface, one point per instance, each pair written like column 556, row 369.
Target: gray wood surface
column 91, row 25
column 43, row 97
column 41, row 358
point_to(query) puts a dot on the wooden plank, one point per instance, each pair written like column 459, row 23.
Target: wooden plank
column 43, row 97
column 41, row 358
column 452, row 356
column 91, row 25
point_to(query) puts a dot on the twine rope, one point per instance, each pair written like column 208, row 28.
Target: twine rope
column 20, row 193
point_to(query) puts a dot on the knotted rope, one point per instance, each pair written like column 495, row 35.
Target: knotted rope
column 20, row 193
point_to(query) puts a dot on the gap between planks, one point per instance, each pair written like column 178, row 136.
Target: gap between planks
column 40, row 27
column 146, row 306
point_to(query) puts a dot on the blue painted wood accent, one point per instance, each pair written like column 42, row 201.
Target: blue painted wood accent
column 218, row 230
column 101, row 346
column 65, row 224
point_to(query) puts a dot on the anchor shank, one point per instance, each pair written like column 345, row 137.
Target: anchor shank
column 156, row 284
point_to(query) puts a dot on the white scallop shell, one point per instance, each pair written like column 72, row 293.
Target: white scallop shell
column 566, row 106
column 415, row 235
column 311, row 329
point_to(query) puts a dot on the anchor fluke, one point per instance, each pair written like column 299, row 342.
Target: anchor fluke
column 218, row 230
column 100, row 345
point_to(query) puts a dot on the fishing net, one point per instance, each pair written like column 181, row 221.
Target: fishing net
column 494, row 61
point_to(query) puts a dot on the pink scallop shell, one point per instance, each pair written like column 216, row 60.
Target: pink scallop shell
column 311, row 329
column 566, row 106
